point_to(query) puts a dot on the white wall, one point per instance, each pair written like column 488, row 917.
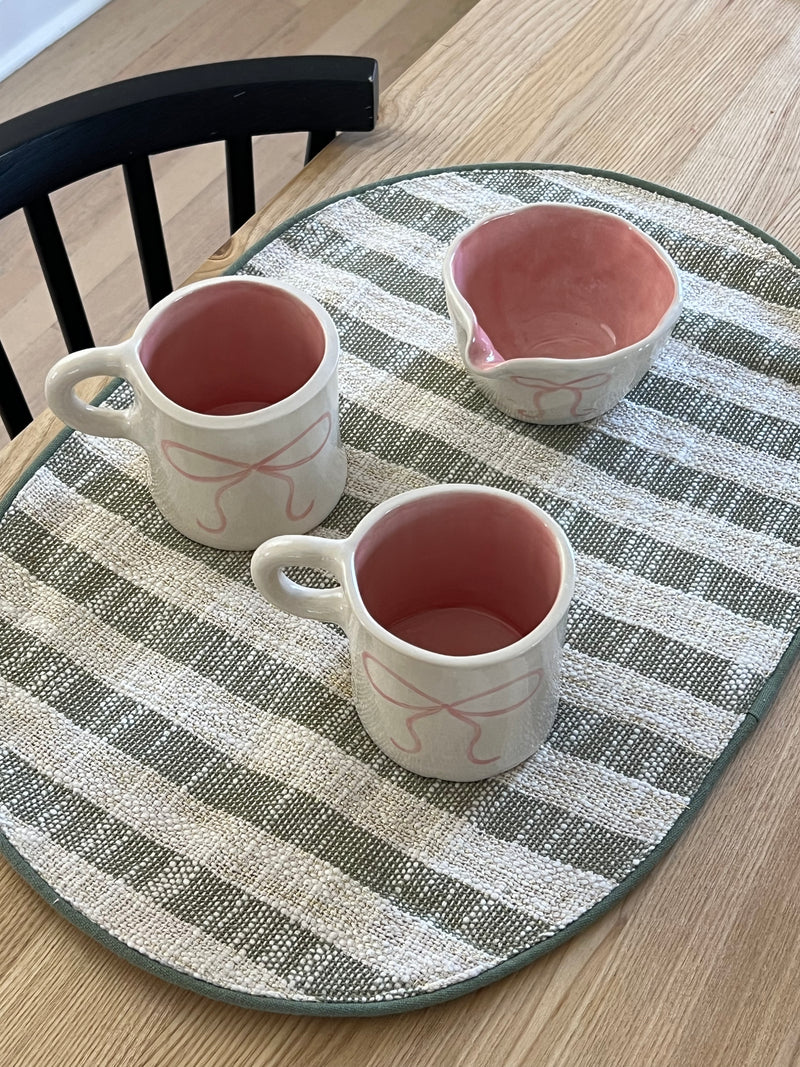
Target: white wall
column 27, row 27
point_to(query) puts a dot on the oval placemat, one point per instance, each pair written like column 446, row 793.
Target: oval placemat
column 183, row 772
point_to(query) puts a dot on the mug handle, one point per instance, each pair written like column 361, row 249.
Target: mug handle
column 59, row 389
column 299, row 550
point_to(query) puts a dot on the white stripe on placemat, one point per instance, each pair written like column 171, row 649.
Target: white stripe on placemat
column 680, row 616
column 619, row 803
column 373, row 480
column 120, row 454
column 384, row 936
column 254, row 738
column 352, row 219
column 137, row 921
column 125, row 455
column 457, row 193
column 666, row 436
column 729, row 381
column 622, row 694
column 361, row 298
column 770, row 321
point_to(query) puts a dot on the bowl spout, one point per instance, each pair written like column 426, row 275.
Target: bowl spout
column 481, row 355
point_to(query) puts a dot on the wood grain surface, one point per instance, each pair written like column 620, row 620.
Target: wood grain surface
column 700, row 964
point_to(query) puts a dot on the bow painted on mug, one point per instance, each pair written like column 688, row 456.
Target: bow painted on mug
column 234, row 471
column 382, row 678
column 543, row 387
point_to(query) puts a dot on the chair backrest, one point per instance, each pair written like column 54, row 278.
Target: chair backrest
column 124, row 123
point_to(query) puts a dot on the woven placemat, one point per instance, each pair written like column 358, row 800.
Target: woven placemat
column 183, row 773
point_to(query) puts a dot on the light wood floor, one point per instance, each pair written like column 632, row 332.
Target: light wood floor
column 131, row 37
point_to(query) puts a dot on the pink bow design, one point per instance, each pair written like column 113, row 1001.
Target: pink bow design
column 542, row 387
column 432, row 706
column 237, row 471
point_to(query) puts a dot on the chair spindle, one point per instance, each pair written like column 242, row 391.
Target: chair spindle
column 49, row 245
column 147, row 228
column 241, row 180
column 14, row 409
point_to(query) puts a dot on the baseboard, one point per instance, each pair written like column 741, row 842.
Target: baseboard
column 27, row 28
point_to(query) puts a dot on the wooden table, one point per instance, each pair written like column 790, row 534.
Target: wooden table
column 700, row 964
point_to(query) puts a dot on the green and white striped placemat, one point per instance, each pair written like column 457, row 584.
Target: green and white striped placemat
column 182, row 771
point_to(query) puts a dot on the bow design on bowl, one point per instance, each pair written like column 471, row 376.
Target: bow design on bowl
column 500, row 700
column 232, row 472
column 543, row 387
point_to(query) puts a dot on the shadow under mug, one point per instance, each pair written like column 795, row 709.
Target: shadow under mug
column 235, row 402
column 454, row 599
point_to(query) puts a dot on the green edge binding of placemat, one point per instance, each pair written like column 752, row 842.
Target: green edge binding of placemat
column 760, row 707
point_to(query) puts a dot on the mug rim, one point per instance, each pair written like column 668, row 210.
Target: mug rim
column 141, row 380
column 664, row 324
column 557, row 610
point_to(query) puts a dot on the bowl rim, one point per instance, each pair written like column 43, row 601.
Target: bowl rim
column 460, row 307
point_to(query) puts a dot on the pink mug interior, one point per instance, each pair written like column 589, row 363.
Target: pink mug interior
column 554, row 280
column 459, row 574
column 231, row 348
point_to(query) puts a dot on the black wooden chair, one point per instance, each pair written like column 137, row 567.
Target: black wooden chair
column 124, row 123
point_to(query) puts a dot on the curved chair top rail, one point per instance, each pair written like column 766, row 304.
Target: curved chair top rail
column 62, row 142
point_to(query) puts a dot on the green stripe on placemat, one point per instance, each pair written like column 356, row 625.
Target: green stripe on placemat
column 183, row 771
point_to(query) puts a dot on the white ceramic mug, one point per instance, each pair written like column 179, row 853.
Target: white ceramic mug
column 235, row 403
column 454, row 598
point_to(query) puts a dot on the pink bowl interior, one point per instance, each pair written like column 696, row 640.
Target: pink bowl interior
column 460, row 574
column 231, row 348
column 556, row 281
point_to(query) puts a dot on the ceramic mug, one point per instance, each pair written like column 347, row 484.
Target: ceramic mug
column 454, row 599
column 235, row 403
column 559, row 309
